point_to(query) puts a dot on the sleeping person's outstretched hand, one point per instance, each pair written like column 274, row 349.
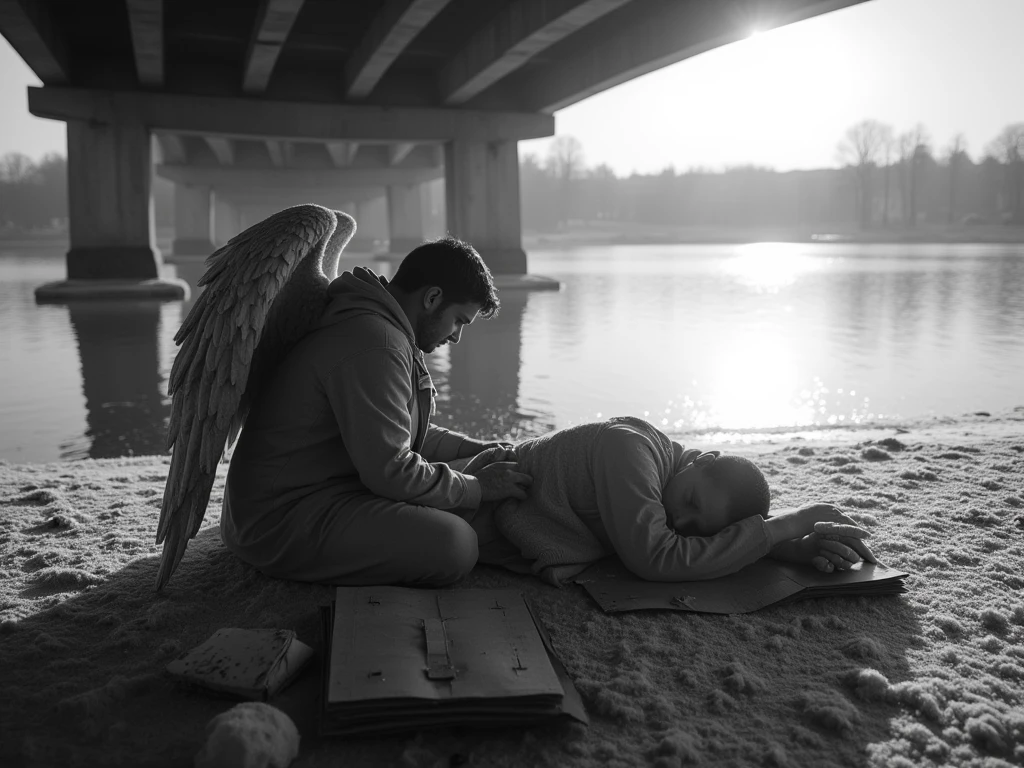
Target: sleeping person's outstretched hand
column 821, row 535
column 842, row 546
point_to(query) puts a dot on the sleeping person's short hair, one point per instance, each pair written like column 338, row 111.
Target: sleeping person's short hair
column 746, row 484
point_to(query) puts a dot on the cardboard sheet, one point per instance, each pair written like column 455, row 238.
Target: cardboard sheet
column 398, row 659
column 760, row 584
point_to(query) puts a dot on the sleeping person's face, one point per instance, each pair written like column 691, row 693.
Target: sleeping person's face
column 696, row 505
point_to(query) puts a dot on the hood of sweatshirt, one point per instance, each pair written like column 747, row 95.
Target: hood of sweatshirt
column 363, row 291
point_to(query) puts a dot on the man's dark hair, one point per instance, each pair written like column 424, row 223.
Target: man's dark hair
column 748, row 489
column 453, row 266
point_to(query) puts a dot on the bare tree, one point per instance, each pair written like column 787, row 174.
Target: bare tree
column 565, row 161
column 859, row 150
column 956, row 153
column 1008, row 149
column 16, row 167
column 914, row 148
column 888, row 153
column 905, row 152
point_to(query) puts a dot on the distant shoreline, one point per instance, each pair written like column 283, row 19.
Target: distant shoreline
column 620, row 233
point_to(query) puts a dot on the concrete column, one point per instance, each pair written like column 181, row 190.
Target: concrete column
column 405, row 217
column 371, row 223
column 110, row 202
column 193, row 220
column 226, row 220
column 482, row 200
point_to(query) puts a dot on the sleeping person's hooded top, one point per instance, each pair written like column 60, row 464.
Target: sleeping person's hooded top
column 597, row 490
column 348, row 410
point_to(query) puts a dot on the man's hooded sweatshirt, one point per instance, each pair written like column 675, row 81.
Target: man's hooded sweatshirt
column 346, row 412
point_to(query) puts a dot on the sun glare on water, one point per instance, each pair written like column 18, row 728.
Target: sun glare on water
column 769, row 267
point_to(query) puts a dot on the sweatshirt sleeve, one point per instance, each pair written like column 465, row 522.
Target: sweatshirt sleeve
column 441, row 444
column 369, row 394
column 629, row 500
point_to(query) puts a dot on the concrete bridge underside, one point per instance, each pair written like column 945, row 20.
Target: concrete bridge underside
column 319, row 96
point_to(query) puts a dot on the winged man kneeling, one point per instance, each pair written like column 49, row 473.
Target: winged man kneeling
column 338, row 475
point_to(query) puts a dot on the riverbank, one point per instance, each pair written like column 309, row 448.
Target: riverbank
column 631, row 233
column 935, row 676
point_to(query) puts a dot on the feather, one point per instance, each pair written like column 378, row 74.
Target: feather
column 222, row 342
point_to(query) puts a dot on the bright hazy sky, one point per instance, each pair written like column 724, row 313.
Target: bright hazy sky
column 782, row 98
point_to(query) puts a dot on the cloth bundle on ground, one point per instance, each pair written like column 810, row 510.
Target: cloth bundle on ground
column 558, row 527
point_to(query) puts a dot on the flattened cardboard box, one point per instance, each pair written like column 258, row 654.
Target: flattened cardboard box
column 401, row 659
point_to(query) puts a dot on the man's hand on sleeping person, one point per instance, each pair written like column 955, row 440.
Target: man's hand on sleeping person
column 502, row 480
column 500, row 444
column 488, row 456
column 471, row 448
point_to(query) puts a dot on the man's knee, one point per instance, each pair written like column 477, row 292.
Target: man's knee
column 456, row 552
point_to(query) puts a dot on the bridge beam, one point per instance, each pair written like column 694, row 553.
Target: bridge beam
column 146, row 20
column 517, row 33
column 29, row 29
column 335, row 199
column 294, row 178
column 274, row 22
column 305, row 121
column 393, row 28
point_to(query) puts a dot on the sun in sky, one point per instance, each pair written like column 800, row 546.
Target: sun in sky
column 784, row 97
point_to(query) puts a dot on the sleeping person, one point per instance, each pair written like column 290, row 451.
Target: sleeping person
column 671, row 514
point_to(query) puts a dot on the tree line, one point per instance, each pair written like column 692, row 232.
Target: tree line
column 33, row 195
column 885, row 180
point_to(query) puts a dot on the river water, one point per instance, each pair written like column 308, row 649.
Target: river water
column 730, row 341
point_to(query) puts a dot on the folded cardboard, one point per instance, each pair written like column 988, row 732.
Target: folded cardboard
column 249, row 663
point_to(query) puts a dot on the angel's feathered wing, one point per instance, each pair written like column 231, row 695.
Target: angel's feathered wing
column 264, row 290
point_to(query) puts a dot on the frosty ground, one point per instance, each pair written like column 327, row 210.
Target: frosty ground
column 933, row 677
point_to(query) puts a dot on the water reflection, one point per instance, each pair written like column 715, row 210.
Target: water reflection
column 478, row 379
column 691, row 337
column 125, row 394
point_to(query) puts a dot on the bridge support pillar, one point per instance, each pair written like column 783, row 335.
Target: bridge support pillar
column 405, row 218
column 110, row 210
column 363, row 240
column 227, row 220
column 193, row 220
column 482, row 201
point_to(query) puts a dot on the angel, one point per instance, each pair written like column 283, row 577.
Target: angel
column 319, row 382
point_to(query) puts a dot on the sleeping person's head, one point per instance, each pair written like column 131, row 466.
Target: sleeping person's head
column 713, row 492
